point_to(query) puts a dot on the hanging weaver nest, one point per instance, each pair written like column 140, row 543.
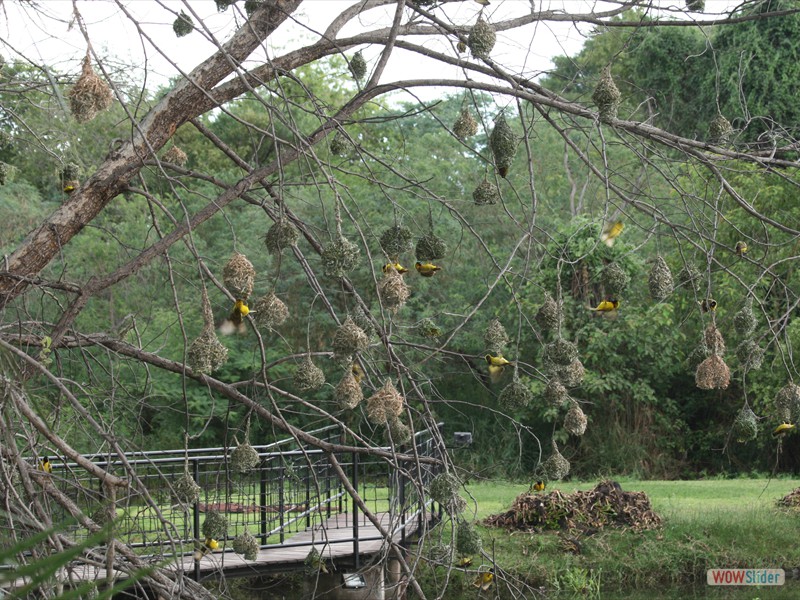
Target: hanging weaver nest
column 4, row 173
column 486, row 193
column 239, row 276
column 250, row 6
column 339, row 257
column 495, row 337
column 745, row 426
column 660, row 280
column 607, row 97
column 572, row 375
column 339, row 144
column 720, row 130
column 176, row 156
column 440, row 554
column 465, row 125
column 745, row 321
column 222, row 5
column 689, row 277
column 183, row 26
column 560, row 352
column 308, row 376
column 348, row 393
column 503, row 143
column 428, row 329
column 556, row 467
column 348, row 340
column 69, row 177
column 697, row 355
column 750, row 355
column 185, row 489
column 270, row 311
column 215, row 525
column 555, row 394
column 358, row 66
column 713, row 340
column 244, row 458
column 712, row 374
column 549, row 314
column 430, row 247
column 393, row 290
column 105, row 514
column 481, row 38
column 444, row 490
column 282, row 234
column 206, row 353
column 314, row 562
column 361, row 319
column 397, row 432
column 615, row 279
column 246, row 545
column 696, row 5
column 515, row 395
column 575, row 421
column 468, row 540
column 384, row 404
column 396, row 241
column 787, row 401
column 90, row 94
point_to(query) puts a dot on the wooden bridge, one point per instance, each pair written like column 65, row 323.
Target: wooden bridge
column 292, row 502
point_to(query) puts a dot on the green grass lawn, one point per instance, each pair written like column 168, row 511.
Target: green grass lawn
column 707, row 524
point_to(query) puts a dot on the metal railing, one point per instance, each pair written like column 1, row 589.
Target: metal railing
column 292, row 489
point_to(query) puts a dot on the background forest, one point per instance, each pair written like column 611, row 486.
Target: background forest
column 646, row 416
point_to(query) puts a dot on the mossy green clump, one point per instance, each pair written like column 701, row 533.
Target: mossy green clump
column 503, row 144
column 481, row 38
column 720, row 130
column 486, row 193
column 358, row 66
column 183, row 25
column 468, row 540
column 607, row 97
column 430, row 247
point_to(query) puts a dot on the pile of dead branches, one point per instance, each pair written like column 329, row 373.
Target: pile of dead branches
column 605, row 505
column 792, row 499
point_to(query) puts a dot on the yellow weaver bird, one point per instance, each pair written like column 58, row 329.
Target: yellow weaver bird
column 44, row 465
column 610, row 233
column 495, row 373
column 208, row 546
column 69, row 187
column 606, row 305
column 465, row 561
column 497, row 361
column 539, row 486
column 396, row 266
column 708, row 304
column 782, row 429
column 240, row 310
column 741, row 248
column 358, row 372
column 427, row 269
column 484, row 580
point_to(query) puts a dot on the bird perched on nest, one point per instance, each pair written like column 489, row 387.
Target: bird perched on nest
column 707, row 304
column 208, row 546
column 396, row 266
column 782, row 429
column 606, row 305
column 484, row 580
column 240, row 310
column 539, row 486
column 497, row 365
column 741, row 248
column 427, row 269
column 44, row 465
column 358, row 372
column 611, row 232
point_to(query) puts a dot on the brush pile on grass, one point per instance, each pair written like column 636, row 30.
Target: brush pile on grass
column 791, row 500
column 604, row 506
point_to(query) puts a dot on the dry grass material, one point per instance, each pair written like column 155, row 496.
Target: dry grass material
column 90, row 94
column 604, row 506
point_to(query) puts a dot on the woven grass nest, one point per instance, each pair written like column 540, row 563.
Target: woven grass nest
column 555, row 393
column 206, row 353
column 430, row 247
column 215, row 525
column 246, row 545
column 384, row 404
column 481, row 38
column 549, row 314
column 575, row 421
column 339, row 257
column 176, row 156
column 358, row 66
column 750, row 355
column 495, row 338
column 90, row 95
column 348, row 393
column 270, row 312
column 396, row 240
column 486, row 193
column 5, row 171
column 720, row 130
column 660, row 281
column 615, row 279
column 427, row 328
column 244, row 458
column 607, row 505
column 745, row 426
column 444, row 490
column 515, row 395
column 556, row 467
column 465, row 125
column 308, row 377
column 503, row 144
column 239, row 275
column 713, row 374
column 713, row 340
column 690, row 278
column 560, row 352
column 348, row 341
column 787, row 401
column 393, row 290
column 281, row 235
column 183, row 26
column 607, row 97
column 185, row 489
column 468, row 540
column 397, row 432
column 744, row 321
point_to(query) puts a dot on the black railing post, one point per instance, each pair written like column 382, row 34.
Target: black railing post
column 196, row 516
column 281, row 501
column 354, row 480
column 309, row 474
column 263, row 501
column 328, row 489
column 401, row 492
